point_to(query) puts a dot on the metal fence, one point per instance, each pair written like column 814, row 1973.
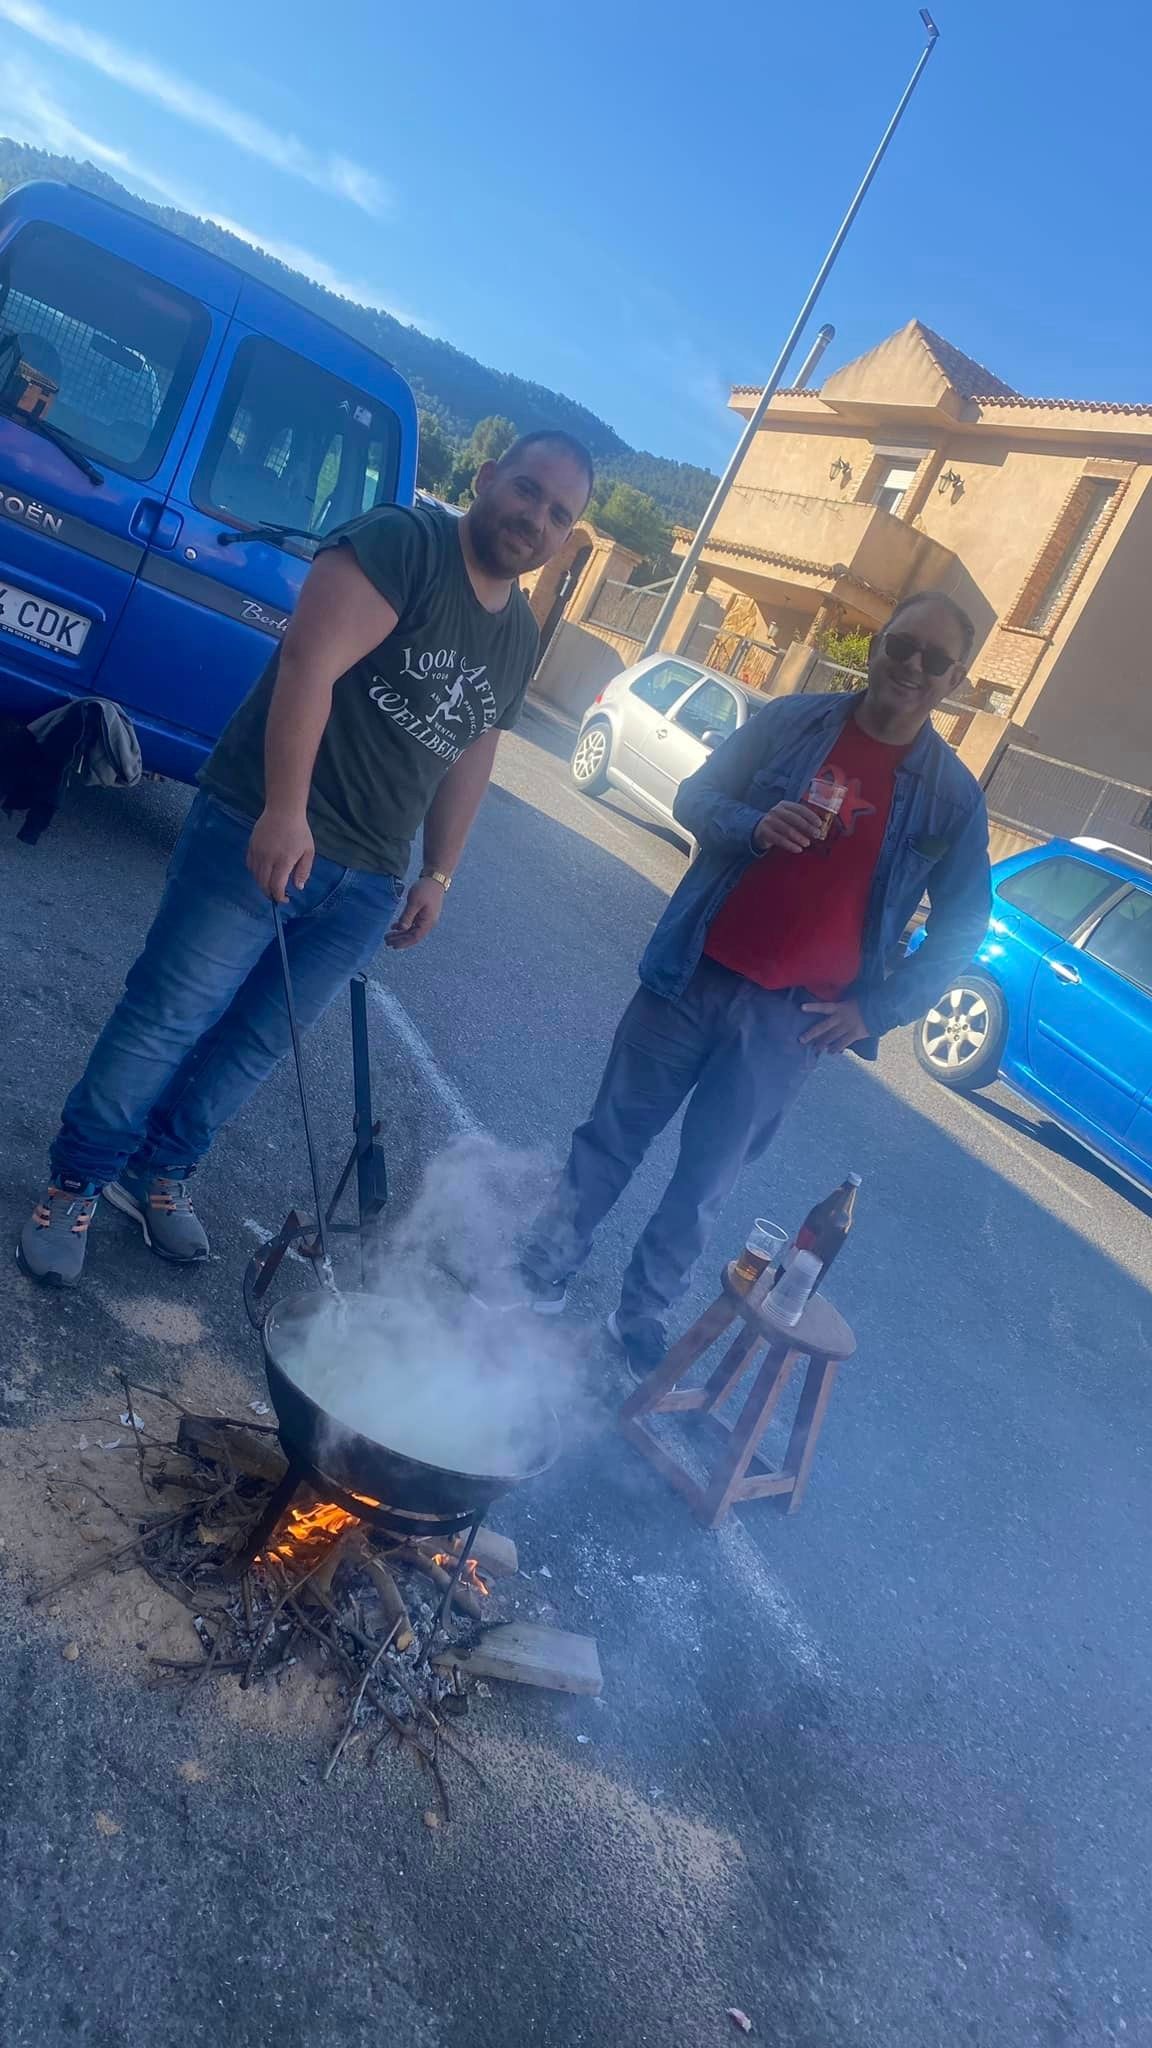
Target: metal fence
column 626, row 610
column 1057, row 800
column 751, row 662
column 833, row 675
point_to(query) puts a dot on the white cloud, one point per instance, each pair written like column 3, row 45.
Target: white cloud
column 284, row 151
column 30, row 114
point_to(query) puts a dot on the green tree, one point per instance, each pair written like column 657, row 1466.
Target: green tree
column 439, row 454
column 488, row 441
column 849, row 646
column 633, row 518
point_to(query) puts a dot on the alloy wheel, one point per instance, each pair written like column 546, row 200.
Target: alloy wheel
column 591, row 754
column 956, row 1032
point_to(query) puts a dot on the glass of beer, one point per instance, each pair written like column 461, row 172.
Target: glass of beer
column 825, row 796
column 762, row 1249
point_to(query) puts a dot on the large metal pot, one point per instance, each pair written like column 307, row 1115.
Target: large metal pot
column 358, row 1466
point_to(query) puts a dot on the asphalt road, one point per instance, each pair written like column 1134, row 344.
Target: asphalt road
column 876, row 1774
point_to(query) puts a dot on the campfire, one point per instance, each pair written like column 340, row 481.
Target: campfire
column 390, row 1616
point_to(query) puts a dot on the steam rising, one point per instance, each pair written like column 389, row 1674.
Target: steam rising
column 418, row 1365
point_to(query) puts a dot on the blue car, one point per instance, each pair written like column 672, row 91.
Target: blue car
column 174, row 439
column 1058, row 1001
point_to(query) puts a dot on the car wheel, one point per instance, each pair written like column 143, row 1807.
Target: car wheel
column 961, row 1039
column 590, row 760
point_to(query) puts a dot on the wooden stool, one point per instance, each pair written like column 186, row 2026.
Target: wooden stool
column 822, row 1336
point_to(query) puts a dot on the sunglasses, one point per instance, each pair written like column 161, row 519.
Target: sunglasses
column 935, row 661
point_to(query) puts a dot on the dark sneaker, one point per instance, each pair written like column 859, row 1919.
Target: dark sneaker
column 516, row 1286
column 645, row 1345
column 55, row 1237
column 162, row 1206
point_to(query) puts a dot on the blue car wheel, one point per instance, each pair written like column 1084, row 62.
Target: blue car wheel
column 961, row 1039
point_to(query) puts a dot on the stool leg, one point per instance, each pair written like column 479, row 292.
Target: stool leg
column 730, row 1370
column 680, row 1359
column 810, row 1412
column 770, row 1382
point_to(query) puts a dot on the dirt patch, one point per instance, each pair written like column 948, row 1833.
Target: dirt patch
column 151, row 1316
column 671, row 1855
column 70, row 1491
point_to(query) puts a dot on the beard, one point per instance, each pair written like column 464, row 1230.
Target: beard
column 502, row 546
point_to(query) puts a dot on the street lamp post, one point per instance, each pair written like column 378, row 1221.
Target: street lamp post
column 681, row 579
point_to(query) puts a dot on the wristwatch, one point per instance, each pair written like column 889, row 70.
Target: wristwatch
column 436, row 875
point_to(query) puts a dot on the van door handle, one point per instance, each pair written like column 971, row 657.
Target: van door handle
column 1063, row 972
column 661, row 732
column 155, row 525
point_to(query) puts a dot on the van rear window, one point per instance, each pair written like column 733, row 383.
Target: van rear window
column 294, row 445
column 96, row 346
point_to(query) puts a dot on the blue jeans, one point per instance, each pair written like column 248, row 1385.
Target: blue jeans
column 734, row 1050
column 202, row 1020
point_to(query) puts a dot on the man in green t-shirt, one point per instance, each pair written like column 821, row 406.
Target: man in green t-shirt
column 409, row 651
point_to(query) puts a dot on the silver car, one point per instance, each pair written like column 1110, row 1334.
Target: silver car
column 653, row 726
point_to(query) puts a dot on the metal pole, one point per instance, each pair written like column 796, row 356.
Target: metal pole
column 681, row 579
column 326, row 1273
column 824, row 335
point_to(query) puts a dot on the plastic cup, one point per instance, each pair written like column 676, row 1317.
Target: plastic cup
column 825, row 798
column 762, row 1249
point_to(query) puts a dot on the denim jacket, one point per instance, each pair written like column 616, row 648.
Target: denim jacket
column 936, row 840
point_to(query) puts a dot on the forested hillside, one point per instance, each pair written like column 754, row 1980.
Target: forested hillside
column 446, row 381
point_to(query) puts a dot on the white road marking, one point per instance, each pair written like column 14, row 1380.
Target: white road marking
column 751, row 1569
column 1026, row 1152
column 264, row 1236
column 421, row 1053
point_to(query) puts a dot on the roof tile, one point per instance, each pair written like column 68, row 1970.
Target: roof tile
column 966, row 376
column 972, row 381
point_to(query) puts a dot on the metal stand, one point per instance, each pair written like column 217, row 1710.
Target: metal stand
column 454, row 1581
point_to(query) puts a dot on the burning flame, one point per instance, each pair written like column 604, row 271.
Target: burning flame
column 470, row 1576
column 303, row 1524
column 327, row 1518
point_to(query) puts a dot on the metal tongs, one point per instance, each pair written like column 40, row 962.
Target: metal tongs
column 366, row 1159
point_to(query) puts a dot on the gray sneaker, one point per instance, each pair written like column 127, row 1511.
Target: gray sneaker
column 162, row 1206
column 55, row 1237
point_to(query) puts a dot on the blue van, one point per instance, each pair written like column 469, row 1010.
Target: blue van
column 174, row 437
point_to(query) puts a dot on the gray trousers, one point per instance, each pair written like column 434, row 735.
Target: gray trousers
column 734, row 1048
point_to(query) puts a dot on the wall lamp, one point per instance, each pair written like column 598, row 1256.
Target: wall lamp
column 842, row 468
column 950, row 480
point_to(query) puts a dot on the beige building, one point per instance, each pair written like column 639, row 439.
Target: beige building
column 913, row 467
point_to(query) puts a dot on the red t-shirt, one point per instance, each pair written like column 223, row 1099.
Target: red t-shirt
column 796, row 920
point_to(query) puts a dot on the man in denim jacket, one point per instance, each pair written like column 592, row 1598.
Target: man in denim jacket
column 775, row 950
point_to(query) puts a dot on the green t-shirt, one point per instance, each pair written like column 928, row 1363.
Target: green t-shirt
column 449, row 672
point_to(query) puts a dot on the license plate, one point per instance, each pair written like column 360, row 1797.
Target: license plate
column 35, row 618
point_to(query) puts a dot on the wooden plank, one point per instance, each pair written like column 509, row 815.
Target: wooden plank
column 524, row 1653
column 496, row 1556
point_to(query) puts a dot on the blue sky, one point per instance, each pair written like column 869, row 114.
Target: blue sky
column 627, row 202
